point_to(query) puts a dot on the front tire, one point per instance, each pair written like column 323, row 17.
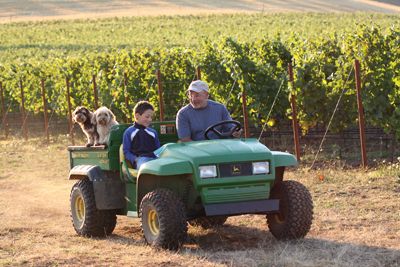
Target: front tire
column 163, row 219
column 86, row 218
column 295, row 211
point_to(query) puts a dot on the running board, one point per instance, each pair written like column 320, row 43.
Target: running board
column 249, row 207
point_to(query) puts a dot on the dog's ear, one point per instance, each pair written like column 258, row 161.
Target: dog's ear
column 112, row 116
column 75, row 111
column 90, row 115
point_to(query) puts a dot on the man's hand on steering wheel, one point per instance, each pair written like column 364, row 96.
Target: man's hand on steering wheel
column 235, row 131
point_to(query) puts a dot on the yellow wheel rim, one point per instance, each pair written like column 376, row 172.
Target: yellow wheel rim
column 80, row 208
column 152, row 221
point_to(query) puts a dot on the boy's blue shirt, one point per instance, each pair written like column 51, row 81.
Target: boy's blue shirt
column 139, row 141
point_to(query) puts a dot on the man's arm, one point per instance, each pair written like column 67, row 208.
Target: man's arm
column 226, row 116
column 183, row 127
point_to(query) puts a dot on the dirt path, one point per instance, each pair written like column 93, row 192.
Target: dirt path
column 356, row 222
column 20, row 10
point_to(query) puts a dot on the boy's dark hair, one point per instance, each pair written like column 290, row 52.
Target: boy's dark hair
column 142, row 106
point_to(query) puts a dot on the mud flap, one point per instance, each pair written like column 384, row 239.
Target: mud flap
column 109, row 190
column 109, row 194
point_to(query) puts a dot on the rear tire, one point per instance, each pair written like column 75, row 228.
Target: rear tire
column 209, row 222
column 86, row 218
column 163, row 219
column 295, row 211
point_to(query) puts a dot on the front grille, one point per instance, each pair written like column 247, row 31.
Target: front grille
column 236, row 193
column 235, row 169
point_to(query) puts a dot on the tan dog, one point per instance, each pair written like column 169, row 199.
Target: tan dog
column 104, row 120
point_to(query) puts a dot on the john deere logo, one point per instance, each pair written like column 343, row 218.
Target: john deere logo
column 236, row 169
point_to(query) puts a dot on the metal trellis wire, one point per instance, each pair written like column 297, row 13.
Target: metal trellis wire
column 270, row 110
column 330, row 121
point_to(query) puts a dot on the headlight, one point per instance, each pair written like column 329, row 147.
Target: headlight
column 208, row 171
column 261, row 167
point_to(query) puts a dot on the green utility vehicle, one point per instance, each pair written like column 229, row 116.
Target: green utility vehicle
column 200, row 183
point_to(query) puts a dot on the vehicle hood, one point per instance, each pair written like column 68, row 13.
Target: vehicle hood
column 217, row 151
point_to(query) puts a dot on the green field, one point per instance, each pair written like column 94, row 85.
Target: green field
column 236, row 52
column 37, row 39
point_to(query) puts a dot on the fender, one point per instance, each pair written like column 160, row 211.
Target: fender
column 80, row 172
column 109, row 190
column 166, row 167
column 162, row 172
column 283, row 159
column 181, row 185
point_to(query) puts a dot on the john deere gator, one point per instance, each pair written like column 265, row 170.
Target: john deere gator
column 201, row 183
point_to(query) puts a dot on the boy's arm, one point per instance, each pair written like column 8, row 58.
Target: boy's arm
column 126, row 145
column 157, row 140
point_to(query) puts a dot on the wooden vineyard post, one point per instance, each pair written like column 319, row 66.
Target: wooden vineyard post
column 198, row 73
column 23, row 112
column 245, row 116
column 46, row 121
column 96, row 99
column 361, row 121
column 70, row 125
column 295, row 125
column 127, row 116
column 3, row 111
column 160, row 95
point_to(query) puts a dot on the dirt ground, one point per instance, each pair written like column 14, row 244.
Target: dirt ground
column 356, row 221
column 20, row 10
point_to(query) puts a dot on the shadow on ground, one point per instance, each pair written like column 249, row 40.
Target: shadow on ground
column 256, row 247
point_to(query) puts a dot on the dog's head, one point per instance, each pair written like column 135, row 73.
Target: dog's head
column 81, row 115
column 103, row 116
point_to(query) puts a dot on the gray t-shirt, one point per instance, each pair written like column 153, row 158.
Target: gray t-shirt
column 192, row 122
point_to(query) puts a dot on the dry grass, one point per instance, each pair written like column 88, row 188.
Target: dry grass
column 357, row 221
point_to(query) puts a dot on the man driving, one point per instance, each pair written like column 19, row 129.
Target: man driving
column 193, row 119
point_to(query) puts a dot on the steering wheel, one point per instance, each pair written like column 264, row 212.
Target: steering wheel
column 225, row 135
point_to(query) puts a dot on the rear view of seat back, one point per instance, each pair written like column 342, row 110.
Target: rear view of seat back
column 166, row 131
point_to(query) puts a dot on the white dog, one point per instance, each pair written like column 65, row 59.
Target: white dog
column 104, row 119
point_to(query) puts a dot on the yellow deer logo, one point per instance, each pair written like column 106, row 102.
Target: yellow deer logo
column 236, row 169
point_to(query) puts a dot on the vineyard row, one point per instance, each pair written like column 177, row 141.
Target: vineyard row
column 322, row 72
